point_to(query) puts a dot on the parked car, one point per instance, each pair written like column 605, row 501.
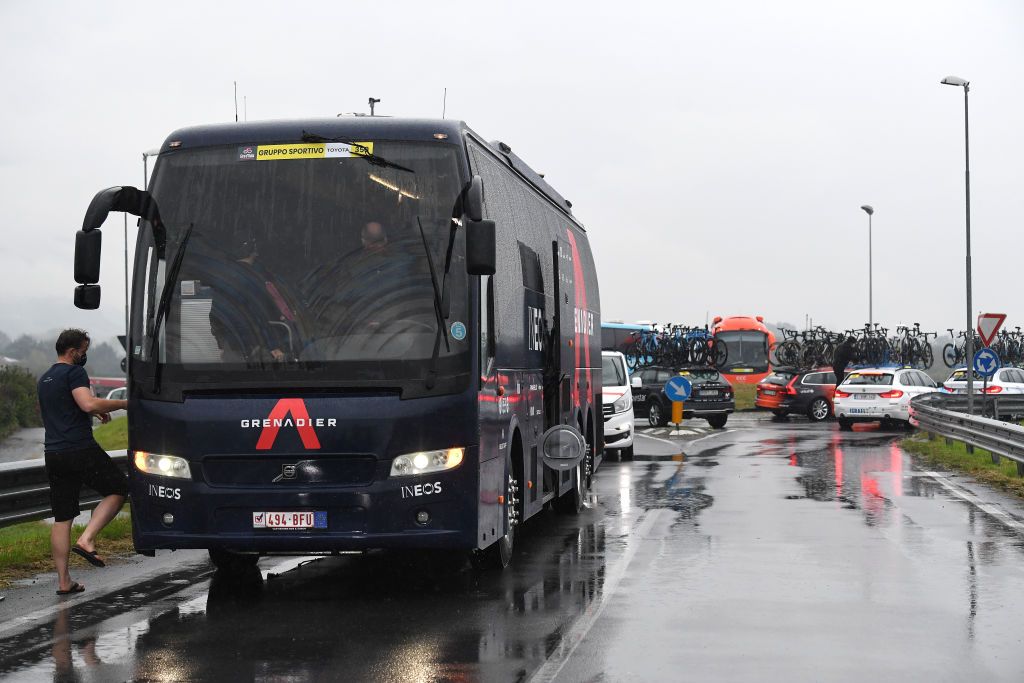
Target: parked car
column 1005, row 381
column 119, row 394
column 618, row 404
column 879, row 394
column 791, row 391
column 712, row 398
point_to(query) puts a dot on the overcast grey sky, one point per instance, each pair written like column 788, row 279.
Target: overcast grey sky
column 722, row 147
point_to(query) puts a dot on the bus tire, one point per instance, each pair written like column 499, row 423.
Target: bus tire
column 571, row 502
column 498, row 555
column 231, row 562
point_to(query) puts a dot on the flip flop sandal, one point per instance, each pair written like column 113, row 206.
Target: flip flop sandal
column 92, row 558
column 75, row 588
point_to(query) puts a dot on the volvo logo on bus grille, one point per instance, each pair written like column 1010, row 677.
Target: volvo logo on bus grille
column 534, row 329
column 290, row 472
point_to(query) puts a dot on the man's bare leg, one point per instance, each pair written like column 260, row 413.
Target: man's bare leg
column 60, row 547
column 101, row 516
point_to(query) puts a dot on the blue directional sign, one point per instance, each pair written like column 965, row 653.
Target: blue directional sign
column 678, row 388
column 986, row 362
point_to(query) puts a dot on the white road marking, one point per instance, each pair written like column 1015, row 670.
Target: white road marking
column 987, row 508
column 705, row 438
column 554, row 664
column 674, row 444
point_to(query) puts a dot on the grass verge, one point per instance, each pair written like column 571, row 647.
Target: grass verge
column 25, row 548
column 745, row 395
column 978, row 464
column 113, row 436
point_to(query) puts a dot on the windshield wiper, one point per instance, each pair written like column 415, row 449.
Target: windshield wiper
column 165, row 302
column 438, row 312
column 372, row 158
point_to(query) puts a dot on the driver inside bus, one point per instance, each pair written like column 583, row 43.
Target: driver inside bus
column 374, row 238
column 250, row 317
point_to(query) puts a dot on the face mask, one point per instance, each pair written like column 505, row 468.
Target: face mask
column 81, row 359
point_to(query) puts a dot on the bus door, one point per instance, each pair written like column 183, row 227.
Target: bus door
column 564, row 356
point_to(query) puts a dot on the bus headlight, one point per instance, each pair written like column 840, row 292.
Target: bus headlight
column 426, row 461
column 162, row 465
column 622, row 404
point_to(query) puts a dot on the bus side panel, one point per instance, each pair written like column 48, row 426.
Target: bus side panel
column 589, row 326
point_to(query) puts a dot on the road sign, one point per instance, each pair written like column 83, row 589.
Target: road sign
column 986, row 362
column 988, row 326
column 678, row 388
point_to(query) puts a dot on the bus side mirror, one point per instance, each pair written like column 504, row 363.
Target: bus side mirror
column 474, row 200
column 87, row 297
column 87, row 256
column 481, row 257
column 562, row 447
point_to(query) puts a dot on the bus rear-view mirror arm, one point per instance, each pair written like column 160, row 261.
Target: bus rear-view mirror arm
column 89, row 240
column 473, row 201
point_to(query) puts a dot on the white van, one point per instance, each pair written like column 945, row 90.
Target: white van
column 618, row 405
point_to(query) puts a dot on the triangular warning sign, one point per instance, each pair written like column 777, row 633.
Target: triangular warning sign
column 988, row 326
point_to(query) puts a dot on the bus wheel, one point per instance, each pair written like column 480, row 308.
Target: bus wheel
column 231, row 562
column 571, row 502
column 499, row 555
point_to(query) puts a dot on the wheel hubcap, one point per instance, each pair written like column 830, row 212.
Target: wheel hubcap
column 820, row 410
column 512, row 502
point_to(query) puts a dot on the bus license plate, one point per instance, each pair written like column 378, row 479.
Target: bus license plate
column 289, row 520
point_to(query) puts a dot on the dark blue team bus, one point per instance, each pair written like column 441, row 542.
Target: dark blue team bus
column 352, row 333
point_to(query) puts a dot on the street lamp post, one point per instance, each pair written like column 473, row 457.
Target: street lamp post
column 870, row 211
column 966, row 85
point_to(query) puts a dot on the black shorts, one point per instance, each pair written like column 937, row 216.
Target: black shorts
column 68, row 470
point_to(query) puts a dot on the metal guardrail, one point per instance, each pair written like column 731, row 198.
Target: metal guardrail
column 946, row 415
column 25, row 490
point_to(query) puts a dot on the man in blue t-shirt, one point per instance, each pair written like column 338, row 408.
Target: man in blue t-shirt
column 74, row 458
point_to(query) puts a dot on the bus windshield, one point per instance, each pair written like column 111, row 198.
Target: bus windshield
column 296, row 262
column 746, row 347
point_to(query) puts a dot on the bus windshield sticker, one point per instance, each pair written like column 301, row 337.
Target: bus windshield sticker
column 306, row 150
column 458, row 331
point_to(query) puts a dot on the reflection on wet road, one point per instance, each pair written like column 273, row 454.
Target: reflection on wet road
column 775, row 552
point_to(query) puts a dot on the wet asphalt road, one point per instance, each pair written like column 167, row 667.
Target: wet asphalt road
column 774, row 551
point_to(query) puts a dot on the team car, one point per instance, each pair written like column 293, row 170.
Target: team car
column 711, row 399
column 1005, row 381
column 618, row 404
column 879, row 395
column 792, row 391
